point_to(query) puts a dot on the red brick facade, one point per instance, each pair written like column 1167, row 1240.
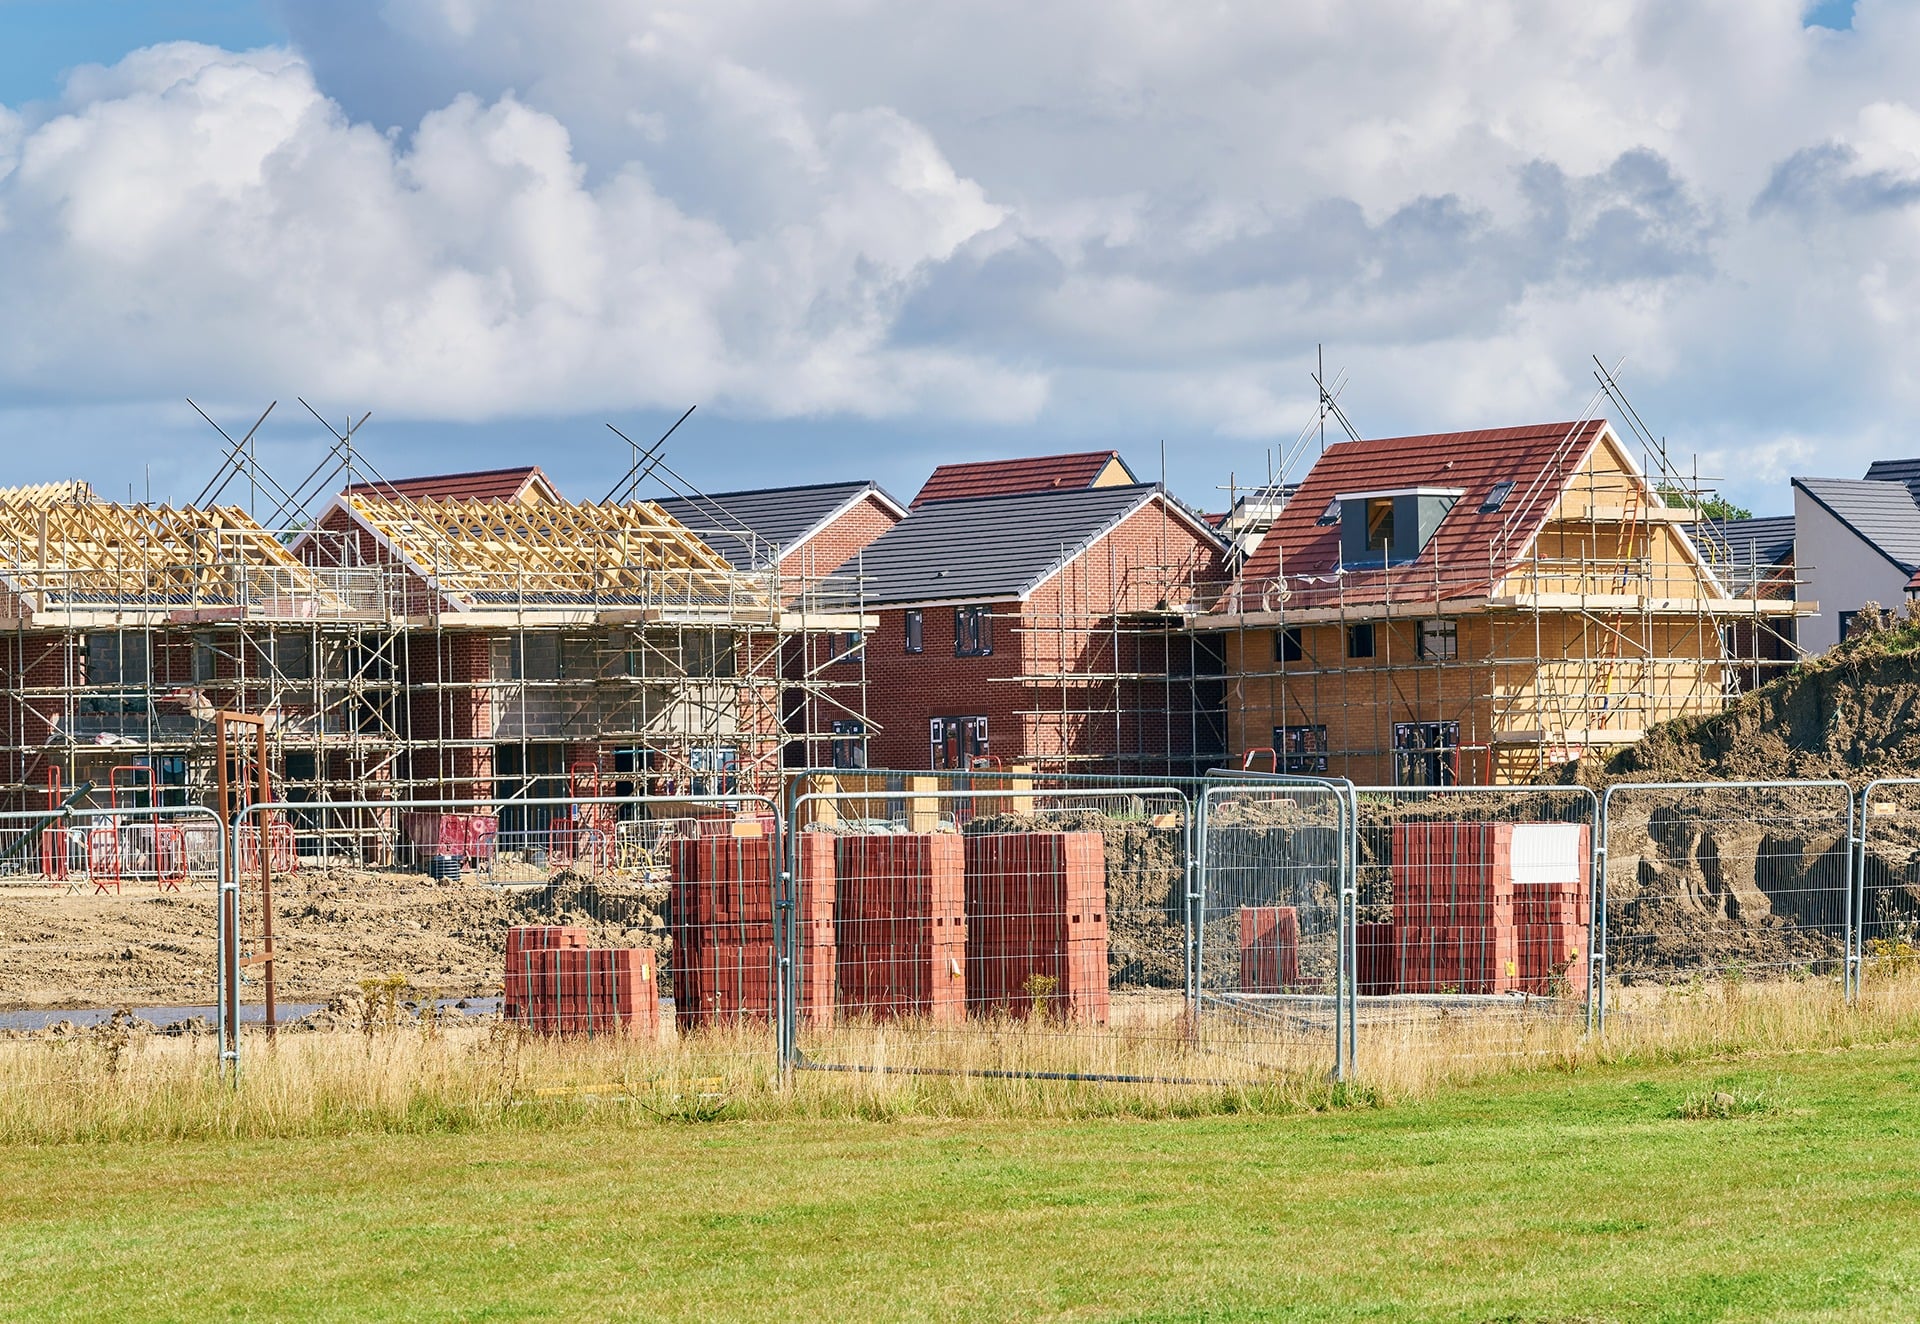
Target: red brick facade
column 1104, row 719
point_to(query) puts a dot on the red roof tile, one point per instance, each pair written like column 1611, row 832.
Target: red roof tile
column 1041, row 473
column 1469, row 551
column 478, row 485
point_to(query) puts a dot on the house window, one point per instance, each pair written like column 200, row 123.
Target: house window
column 958, row 742
column 206, row 656
column 1380, row 524
column 1303, row 749
column 1439, row 640
column 1426, row 753
column 116, row 659
column 844, row 645
column 1286, row 645
column 916, row 631
column 1360, row 640
column 849, row 743
column 715, row 771
column 1497, row 496
column 1331, row 515
column 709, row 654
column 1846, row 623
column 972, row 632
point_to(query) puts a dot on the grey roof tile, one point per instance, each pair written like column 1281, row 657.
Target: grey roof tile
column 747, row 527
column 987, row 547
column 1906, row 472
column 1743, row 551
column 1883, row 513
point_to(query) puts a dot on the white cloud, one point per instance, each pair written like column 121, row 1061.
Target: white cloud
column 212, row 220
column 1072, row 217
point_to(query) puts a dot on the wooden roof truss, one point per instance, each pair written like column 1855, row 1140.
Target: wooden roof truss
column 507, row 553
column 105, row 556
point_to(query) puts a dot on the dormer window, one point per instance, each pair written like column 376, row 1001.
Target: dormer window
column 1391, row 527
column 1380, row 524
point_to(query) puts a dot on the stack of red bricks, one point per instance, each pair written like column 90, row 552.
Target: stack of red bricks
column 556, row 984
column 901, row 935
column 1470, row 918
column 813, row 933
column 721, row 920
column 1036, row 912
column 720, row 914
column 1379, row 959
column 1269, row 949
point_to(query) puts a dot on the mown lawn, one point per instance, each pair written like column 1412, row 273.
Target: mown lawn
column 1541, row 1198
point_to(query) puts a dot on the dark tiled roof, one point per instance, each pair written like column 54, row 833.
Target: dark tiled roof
column 1040, row 473
column 988, row 547
column 1882, row 513
column 1742, row 552
column 1469, row 551
column 1906, row 472
column 748, row 527
column 479, row 485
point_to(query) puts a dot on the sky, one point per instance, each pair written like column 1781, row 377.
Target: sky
column 865, row 238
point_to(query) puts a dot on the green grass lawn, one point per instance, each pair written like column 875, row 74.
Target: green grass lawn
column 1542, row 1198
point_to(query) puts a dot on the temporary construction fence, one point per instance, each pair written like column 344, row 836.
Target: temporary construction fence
column 1273, row 923
column 1232, row 929
column 999, row 931
column 138, row 884
column 1887, row 867
column 585, row 933
column 1726, row 881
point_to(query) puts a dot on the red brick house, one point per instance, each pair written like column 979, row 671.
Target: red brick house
column 1039, row 627
column 546, row 642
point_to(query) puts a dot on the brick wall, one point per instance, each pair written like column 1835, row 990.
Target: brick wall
column 1144, row 565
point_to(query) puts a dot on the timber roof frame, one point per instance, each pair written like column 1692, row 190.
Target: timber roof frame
column 104, row 556
column 509, row 554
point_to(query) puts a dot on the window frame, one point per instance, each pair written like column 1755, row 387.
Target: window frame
column 1289, row 644
column 913, row 629
column 1301, row 749
column 1355, row 633
column 1438, row 628
column 972, row 632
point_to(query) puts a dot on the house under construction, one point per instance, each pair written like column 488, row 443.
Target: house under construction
column 418, row 640
column 1478, row 607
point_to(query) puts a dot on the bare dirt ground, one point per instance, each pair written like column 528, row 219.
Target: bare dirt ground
column 332, row 928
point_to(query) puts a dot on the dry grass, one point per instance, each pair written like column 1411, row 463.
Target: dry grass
column 121, row 1082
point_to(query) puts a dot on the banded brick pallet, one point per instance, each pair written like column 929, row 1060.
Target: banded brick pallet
column 1269, row 949
column 900, row 930
column 1490, row 907
column 1037, row 925
column 556, row 984
column 522, row 942
column 721, row 921
column 1378, row 959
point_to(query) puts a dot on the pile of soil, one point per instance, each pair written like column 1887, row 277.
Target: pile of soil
column 1852, row 714
column 333, row 928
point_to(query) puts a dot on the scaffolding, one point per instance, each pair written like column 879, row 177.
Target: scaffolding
column 1602, row 605
column 399, row 649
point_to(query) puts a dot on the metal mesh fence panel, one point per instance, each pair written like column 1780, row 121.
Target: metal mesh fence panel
column 647, row 921
column 1727, row 882
column 1010, row 931
column 102, row 909
column 1271, row 986
column 1473, row 928
column 1887, row 912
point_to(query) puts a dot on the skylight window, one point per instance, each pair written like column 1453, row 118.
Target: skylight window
column 1497, row 497
column 1331, row 515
